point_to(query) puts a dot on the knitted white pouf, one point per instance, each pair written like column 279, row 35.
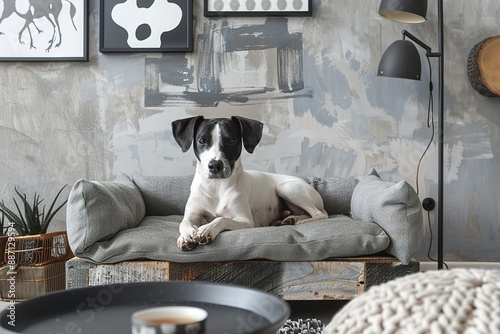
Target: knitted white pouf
column 454, row 301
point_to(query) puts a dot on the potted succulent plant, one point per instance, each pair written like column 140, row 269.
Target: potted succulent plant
column 30, row 220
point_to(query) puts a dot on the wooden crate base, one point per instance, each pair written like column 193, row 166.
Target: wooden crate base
column 30, row 282
column 337, row 279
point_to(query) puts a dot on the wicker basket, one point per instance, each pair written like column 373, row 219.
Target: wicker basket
column 38, row 250
column 29, row 282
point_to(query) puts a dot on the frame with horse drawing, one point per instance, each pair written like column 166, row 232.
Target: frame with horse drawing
column 43, row 30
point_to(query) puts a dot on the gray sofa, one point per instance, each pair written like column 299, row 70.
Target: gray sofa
column 137, row 217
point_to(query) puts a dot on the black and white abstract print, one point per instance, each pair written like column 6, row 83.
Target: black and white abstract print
column 146, row 25
column 42, row 28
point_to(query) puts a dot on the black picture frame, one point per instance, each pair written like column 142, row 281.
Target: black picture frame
column 39, row 37
column 250, row 8
column 115, row 38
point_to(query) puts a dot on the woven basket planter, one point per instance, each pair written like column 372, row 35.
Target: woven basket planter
column 29, row 282
column 38, row 250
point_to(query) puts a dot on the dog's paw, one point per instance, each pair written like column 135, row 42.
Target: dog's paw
column 290, row 220
column 185, row 244
column 204, row 240
column 186, row 240
column 204, row 235
column 285, row 218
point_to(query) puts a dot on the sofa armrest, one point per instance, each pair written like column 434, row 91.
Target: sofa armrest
column 96, row 211
column 393, row 206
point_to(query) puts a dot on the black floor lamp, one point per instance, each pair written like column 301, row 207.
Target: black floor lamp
column 401, row 60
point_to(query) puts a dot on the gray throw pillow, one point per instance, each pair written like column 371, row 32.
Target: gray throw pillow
column 163, row 195
column 96, row 211
column 393, row 206
column 335, row 192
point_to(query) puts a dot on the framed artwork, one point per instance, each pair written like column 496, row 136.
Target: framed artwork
column 215, row 8
column 146, row 26
column 44, row 30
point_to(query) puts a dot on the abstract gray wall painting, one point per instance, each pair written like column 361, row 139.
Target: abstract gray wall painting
column 221, row 74
column 146, row 26
column 33, row 30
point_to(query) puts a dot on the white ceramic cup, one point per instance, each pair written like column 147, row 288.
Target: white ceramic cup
column 169, row 320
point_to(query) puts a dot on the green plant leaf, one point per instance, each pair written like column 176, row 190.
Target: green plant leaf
column 50, row 215
column 2, row 223
column 31, row 217
column 22, row 229
column 12, row 217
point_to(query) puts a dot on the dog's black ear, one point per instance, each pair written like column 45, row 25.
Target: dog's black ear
column 183, row 131
column 251, row 132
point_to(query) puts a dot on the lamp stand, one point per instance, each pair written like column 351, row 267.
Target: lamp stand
column 440, row 135
column 440, row 138
column 391, row 65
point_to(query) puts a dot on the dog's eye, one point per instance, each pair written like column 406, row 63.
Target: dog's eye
column 232, row 141
column 202, row 141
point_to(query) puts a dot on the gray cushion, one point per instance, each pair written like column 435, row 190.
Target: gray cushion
column 163, row 195
column 156, row 237
column 96, row 211
column 395, row 207
column 335, row 192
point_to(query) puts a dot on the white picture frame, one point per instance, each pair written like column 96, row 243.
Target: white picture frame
column 44, row 30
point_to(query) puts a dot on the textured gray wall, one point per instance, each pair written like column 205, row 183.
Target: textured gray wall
column 310, row 80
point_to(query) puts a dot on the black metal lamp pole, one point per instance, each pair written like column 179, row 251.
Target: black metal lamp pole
column 395, row 63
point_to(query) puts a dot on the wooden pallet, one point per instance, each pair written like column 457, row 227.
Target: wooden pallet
column 336, row 279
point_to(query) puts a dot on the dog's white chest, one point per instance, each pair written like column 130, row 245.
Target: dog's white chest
column 244, row 200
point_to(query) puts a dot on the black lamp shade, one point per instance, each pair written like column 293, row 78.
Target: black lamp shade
column 400, row 60
column 407, row 11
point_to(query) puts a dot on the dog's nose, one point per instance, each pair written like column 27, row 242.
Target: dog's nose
column 215, row 166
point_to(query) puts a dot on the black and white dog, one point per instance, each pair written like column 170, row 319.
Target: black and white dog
column 224, row 196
